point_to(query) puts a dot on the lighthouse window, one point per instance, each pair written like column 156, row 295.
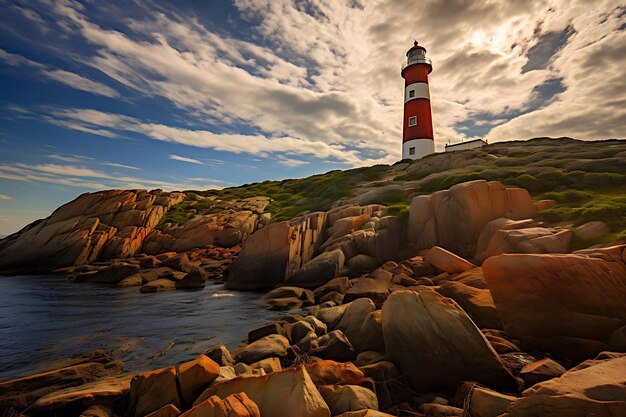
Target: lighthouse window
column 412, row 121
column 411, row 93
column 411, row 151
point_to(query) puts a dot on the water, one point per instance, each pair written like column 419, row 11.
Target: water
column 46, row 317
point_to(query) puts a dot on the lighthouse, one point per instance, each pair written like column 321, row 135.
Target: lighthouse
column 417, row 126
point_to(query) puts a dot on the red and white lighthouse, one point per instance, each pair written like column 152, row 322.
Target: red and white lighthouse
column 417, row 131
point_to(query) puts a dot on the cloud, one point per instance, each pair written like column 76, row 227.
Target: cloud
column 4, row 197
column 113, row 164
column 184, row 159
column 90, row 179
column 291, row 163
column 68, row 78
column 69, row 158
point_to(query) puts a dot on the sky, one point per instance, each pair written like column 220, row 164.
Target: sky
column 186, row 94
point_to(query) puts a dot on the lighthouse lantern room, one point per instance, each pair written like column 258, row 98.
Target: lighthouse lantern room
column 417, row 130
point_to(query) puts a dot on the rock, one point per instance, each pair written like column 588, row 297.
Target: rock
column 591, row 230
column 152, row 390
column 376, row 290
column 542, row 205
column 541, row 370
column 331, row 316
column 134, row 280
column 103, row 411
column 268, row 365
column 334, row 297
column 265, row 330
column 235, row 405
column 111, row 274
column 477, row 303
column 454, row 218
column 484, row 402
column 381, row 371
column 149, row 262
column 617, row 340
column 328, row 372
column 447, row 261
column 361, row 264
column 275, row 252
column 287, row 292
column 193, row 280
column 340, row 285
column 298, row 330
column 319, row 270
column 105, row 390
column 284, row 303
column 319, row 327
column 220, row 355
column 369, row 357
column 578, row 301
column 354, row 317
column 226, row 373
column 196, row 375
column 169, row 410
column 158, row 285
column 473, row 277
column 522, row 236
column 597, row 390
column 102, row 225
column 499, row 342
column 431, row 339
column 77, row 371
column 440, row 410
column 365, row 413
column 268, row 346
column 419, row 266
column 344, row 398
column 287, row 393
column 334, row 345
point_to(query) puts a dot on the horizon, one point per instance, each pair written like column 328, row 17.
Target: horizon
column 177, row 96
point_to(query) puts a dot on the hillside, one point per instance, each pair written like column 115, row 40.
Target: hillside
column 586, row 179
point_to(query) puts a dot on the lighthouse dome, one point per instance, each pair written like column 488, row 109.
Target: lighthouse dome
column 416, row 48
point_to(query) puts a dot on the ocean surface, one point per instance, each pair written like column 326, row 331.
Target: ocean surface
column 43, row 318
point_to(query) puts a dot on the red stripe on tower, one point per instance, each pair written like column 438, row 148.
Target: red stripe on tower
column 417, row 127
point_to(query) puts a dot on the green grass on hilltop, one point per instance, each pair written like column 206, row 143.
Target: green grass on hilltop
column 586, row 179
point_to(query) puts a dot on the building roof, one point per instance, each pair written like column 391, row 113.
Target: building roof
column 465, row 143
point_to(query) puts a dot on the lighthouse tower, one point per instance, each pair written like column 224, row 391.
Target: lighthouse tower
column 417, row 130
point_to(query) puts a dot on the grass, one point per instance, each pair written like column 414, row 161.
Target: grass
column 586, row 179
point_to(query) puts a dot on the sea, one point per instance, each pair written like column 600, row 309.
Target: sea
column 43, row 318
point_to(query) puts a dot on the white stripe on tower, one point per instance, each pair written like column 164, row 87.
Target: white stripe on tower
column 420, row 90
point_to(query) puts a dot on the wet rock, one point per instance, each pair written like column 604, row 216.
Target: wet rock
column 432, row 340
column 192, row 280
column 268, row 346
column 344, row 398
column 134, row 280
column 287, row 393
column 541, row 370
column 111, row 274
column 578, row 300
column 158, row 285
column 265, row 330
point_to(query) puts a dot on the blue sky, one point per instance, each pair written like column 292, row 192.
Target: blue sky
column 200, row 94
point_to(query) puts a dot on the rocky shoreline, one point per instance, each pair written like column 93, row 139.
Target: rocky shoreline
column 468, row 306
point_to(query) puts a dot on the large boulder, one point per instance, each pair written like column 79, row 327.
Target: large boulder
column 327, row 372
column 286, row 393
column 521, row 236
column 596, row 390
column 195, row 375
column 454, row 218
column 431, row 339
column 577, row 301
column 275, row 252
